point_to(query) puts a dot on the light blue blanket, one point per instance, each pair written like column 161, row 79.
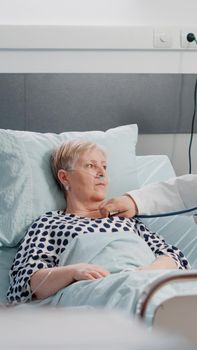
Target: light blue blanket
column 120, row 254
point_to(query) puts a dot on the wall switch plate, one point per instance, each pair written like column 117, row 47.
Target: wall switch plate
column 184, row 42
column 162, row 38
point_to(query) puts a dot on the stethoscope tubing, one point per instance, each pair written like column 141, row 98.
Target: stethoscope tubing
column 179, row 212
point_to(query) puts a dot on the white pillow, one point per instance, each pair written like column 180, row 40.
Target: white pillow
column 27, row 187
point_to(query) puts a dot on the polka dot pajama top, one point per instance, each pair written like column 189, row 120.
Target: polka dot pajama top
column 51, row 234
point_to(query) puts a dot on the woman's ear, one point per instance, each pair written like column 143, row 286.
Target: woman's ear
column 63, row 177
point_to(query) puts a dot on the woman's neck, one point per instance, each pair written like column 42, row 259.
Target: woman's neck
column 91, row 211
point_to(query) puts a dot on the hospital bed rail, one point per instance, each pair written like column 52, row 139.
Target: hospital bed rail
column 177, row 313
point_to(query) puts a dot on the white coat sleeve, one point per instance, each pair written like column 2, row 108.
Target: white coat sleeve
column 178, row 193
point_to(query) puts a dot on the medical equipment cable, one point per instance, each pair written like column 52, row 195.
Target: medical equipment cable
column 190, row 38
column 192, row 127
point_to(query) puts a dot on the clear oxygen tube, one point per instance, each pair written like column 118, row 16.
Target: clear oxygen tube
column 100, row 177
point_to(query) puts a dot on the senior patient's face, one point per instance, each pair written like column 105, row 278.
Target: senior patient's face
column 89, row 179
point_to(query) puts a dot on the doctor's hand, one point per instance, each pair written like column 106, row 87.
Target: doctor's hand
column 119, row 206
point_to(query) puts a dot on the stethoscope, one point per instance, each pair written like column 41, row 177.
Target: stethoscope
column 161, row 215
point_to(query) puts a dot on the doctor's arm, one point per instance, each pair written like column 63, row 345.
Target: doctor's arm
column 177, row 193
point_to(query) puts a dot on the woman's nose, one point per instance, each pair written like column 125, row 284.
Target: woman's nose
column 100, row 171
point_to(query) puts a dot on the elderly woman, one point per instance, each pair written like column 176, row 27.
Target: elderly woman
column 80, row 168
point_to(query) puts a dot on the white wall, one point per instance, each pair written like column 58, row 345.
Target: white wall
column 109, row 12
column 114, row 12
column 175, row 146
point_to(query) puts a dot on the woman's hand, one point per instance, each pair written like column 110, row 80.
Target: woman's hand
column 119, row 206
column 85, row 271
column 48, row 281
column 161, row 263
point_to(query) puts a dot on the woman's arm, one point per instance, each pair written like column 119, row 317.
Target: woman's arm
column 167, row 255
column 48, row 281
column 160, row 263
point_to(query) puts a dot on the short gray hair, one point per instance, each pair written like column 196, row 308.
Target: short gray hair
column 67, row 154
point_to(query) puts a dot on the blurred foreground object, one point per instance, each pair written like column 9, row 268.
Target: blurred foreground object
column 79, row 328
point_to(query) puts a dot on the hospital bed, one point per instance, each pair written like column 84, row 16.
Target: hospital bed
column 27, row 190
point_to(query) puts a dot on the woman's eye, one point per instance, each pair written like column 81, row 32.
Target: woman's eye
column 90, row 165
column 105, row 167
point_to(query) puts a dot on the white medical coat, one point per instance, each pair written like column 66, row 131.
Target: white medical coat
column 178, row 193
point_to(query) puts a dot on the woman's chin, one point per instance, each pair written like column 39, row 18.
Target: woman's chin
column 98, row 197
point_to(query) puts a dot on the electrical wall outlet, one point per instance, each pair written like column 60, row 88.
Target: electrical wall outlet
column 162, row 38
column 185, row 44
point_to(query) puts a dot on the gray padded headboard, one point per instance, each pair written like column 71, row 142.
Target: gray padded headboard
column 59, row 102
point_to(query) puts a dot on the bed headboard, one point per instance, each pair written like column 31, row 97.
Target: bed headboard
column 158, row 103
